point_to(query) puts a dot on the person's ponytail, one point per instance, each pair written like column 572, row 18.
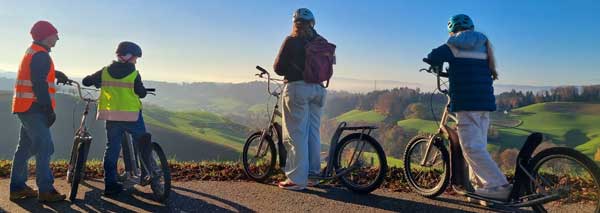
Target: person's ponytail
column 491, row 60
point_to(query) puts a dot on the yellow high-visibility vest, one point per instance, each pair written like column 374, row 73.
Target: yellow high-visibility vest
column 118, row 101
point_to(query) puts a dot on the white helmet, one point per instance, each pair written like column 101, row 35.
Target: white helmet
column 303, row 14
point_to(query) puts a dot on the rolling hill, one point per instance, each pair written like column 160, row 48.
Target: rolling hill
column 361, row 116
column 572, row 124
column 198, row 124
column 181, row 138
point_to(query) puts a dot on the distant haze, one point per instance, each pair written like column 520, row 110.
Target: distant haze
column 343, row 84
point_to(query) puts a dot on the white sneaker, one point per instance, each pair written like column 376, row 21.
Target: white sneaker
column 480, row 202
column 313, row 183
column 498, row 193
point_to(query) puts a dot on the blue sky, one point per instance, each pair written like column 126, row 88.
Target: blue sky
column 536, row 42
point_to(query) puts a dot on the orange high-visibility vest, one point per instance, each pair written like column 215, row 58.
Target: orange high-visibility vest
column 23, row 93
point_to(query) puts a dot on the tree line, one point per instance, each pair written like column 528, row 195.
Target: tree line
column 404, row 103
column 516, row 99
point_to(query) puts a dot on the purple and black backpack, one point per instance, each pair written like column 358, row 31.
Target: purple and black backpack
column 320, row 58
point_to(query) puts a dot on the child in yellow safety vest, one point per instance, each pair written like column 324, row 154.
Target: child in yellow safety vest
column 121, row 89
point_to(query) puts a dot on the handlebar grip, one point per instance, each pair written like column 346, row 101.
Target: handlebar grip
column 261, row 69
column 427, row 60
column 150, row 89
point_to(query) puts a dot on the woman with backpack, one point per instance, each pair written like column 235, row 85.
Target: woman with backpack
column 303, row 100
column 471, row 73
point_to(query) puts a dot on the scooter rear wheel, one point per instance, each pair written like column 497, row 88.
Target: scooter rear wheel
column 567, row 172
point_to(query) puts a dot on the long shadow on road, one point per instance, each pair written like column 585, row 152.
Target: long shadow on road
column 236, row 206
column 391, row 203
column 94, row 201
column 496, row 209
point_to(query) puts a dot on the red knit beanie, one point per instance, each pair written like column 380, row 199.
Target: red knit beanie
column 42, row 30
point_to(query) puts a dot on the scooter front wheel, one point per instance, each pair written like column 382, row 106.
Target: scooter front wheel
column 258, row 157
column 433, row 177
column 79, row 169
column 160, row 173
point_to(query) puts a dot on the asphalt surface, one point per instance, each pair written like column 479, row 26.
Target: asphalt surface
column 213, row 196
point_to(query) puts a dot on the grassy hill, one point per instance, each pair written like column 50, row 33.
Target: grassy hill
column 202, row 125
column 419, row 125
column 200, row 136
column 572, row 124
column 361, row 116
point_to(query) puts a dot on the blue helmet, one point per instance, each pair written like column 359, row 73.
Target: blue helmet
column 303, row 14
column 460, row 22
column 128, row 47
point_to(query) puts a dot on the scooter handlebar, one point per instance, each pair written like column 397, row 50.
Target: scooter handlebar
column 261, row 69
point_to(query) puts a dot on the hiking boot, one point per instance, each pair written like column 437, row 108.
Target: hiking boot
column 113, row 189
column 27, row 192
column 497, row 193
column 50, row 197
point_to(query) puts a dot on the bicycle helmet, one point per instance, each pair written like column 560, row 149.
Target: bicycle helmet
column 460, row 22
column 128, row 47
column 303, row 14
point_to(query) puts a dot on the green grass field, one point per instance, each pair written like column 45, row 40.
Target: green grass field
column 391, row 161
column 361, row 116
column 572, row 124
column 202, row 125
column 419, row 125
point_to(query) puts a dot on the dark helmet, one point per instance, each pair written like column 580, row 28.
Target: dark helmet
column 303, row 14
column 460, row 22
column 128, row 47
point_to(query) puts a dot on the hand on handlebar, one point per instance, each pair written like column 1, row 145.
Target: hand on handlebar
column 436, row 69
column 151, row 91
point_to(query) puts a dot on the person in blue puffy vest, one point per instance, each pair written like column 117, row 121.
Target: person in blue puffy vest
column 471, row 72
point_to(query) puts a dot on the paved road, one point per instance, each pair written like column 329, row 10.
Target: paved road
column 211, row 196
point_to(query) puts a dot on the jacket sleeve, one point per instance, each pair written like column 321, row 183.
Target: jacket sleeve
column 40, row 67
column 282, row 62
column 93, row 80
column 138, row 87
column 440, row 55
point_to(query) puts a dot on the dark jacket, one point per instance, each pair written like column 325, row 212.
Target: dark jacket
column 117, row 70
column 291, row 58
column 469, row 73
column 40, row 67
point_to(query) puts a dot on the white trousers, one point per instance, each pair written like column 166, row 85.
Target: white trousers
column 302, row 109
column 472, row 131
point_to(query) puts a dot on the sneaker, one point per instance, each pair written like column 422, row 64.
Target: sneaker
column 113, row 189
column 498, row 193
column 27, row 192
column 50, row 197
column 480, row 202
column 313, row 183
column 289, row 185
column 314, row 179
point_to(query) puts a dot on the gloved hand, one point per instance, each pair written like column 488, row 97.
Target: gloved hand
column 494, row 75
column 61, row 78
column 51, row 118
column 50, row 115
